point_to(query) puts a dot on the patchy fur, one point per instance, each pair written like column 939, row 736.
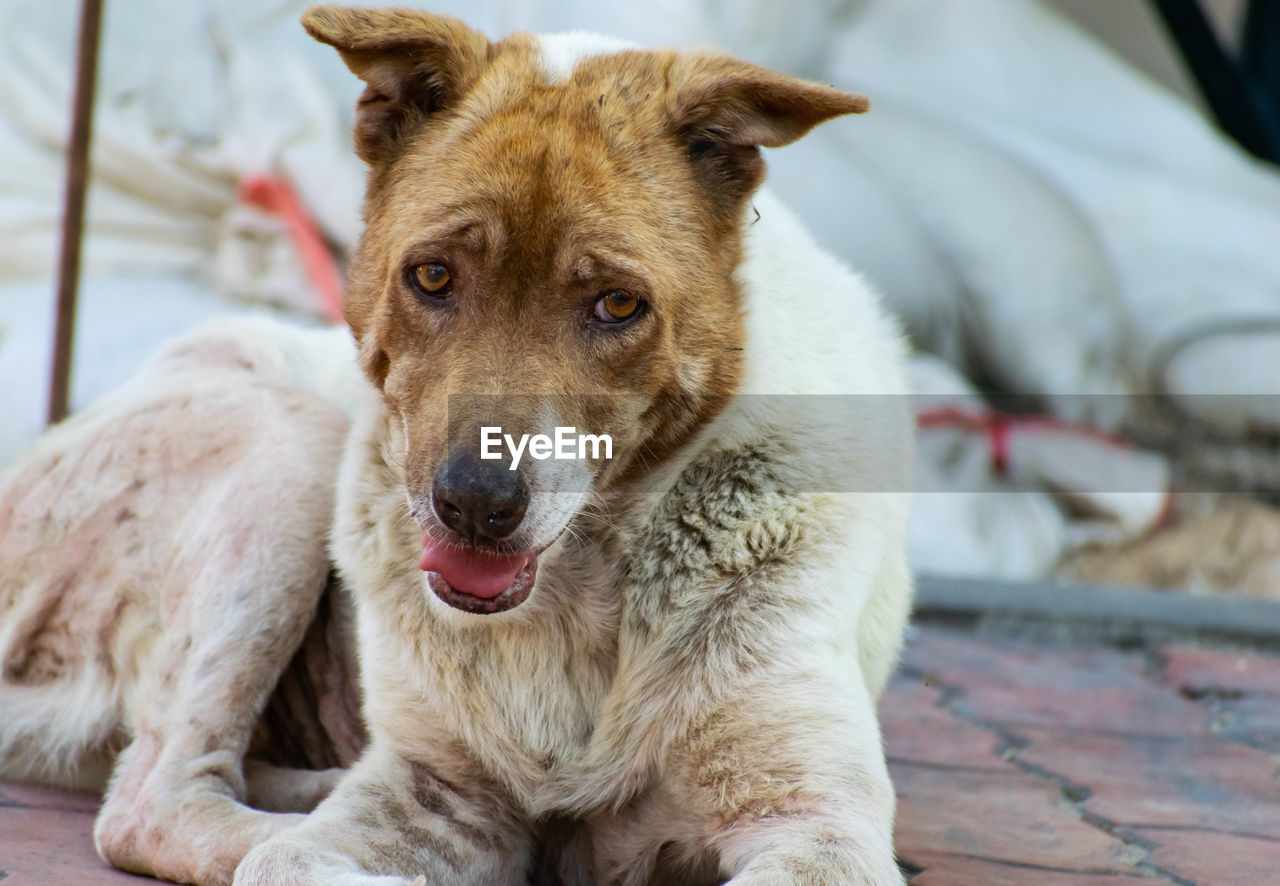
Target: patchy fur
column 162, row 556
column 687, row 693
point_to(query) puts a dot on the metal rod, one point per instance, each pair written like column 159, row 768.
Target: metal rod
column 73, row 205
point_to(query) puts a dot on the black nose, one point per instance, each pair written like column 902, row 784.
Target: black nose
column 479, row 500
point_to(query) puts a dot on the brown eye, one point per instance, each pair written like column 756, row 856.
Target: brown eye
column 433, row 278
column 616, row 306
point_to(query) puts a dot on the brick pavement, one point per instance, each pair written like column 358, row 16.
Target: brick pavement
column 1020, row 763
column 1015, row 762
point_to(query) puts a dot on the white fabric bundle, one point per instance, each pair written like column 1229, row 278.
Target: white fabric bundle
column 1039, row 213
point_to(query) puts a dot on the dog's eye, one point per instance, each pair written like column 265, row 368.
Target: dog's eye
column 433, row 279
column 616, row 306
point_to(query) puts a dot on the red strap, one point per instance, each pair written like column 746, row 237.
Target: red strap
column 999, row 428
column 999, row 432
column 274, row 195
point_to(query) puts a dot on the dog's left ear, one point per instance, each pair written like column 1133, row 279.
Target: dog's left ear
column 726, row 110
column 414, row 64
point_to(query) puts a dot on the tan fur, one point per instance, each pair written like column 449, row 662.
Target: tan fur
column 687, row 695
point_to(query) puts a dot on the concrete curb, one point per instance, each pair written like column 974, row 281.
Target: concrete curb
column 1119, row 613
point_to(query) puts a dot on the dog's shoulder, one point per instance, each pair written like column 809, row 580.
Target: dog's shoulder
column 814, row 326
column 812, row 455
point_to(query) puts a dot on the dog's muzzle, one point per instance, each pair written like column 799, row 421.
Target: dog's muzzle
column 483, row 503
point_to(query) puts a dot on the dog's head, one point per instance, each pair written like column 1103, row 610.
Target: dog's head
column 552, row 230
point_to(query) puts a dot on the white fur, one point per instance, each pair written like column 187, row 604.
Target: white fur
column 166, row 555
column 813, row 326
column 559, row 54
column 564, row 730
column 58, row 736
column 691, row 685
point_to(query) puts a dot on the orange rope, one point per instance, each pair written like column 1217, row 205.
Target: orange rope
column 275, row 195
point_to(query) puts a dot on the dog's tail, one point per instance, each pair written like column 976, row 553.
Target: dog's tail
column 64, row 734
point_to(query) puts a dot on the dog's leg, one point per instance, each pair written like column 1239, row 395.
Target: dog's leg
column 781, row 782
column 826, row 849
column 802, row 796
column 392, row 822
column 175, row 808
column 167, row 817
column 274, row 789
column 236, row 603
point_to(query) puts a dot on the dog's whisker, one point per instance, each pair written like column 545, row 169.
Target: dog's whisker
column 598, row 518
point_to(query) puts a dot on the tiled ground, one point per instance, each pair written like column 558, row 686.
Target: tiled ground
column 1085, row 766
column 1015, row 763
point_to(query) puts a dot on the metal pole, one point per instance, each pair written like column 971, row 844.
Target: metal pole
column 73, row 205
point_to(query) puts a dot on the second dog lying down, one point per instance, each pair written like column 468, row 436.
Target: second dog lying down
column 658, row 667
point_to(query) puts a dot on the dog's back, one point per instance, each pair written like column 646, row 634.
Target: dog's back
column 107, row 521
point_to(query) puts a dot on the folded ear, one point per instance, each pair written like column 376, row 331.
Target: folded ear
column 413, row 64
column 726, row 110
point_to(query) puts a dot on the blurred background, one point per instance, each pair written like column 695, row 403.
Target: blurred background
column 1082, row 242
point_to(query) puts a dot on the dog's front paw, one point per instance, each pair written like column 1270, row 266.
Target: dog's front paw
column 274, row 864
column 278, row 863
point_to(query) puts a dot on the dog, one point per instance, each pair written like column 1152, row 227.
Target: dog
column 653, row 663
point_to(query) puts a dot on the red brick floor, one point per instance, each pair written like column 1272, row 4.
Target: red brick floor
column 1016, row 764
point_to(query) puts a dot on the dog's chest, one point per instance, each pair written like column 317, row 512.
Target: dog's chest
column 523, row 698
column 557, row 690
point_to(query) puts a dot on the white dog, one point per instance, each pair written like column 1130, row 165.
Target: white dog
column 651, row 668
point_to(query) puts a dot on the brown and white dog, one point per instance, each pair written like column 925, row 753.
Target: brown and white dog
column 656, row 667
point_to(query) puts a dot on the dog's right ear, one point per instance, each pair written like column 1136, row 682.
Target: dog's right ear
column 724, row 110
column 413, row 63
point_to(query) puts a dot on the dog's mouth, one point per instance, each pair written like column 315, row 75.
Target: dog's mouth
column 477, row 581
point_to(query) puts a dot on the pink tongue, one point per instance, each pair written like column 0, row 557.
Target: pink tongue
column 472, row 572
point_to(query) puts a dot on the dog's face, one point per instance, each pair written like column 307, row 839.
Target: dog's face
column 551, row 239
